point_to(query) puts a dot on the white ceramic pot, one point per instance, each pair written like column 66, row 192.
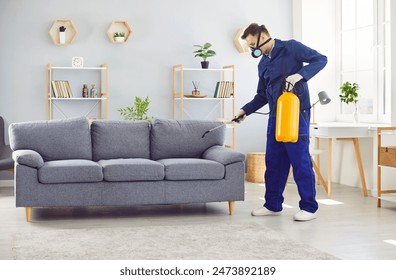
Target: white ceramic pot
column 119, row 39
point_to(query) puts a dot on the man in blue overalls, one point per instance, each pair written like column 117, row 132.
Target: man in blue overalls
column 283, row 61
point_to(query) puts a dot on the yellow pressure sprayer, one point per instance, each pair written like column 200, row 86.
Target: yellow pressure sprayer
column 287, row 117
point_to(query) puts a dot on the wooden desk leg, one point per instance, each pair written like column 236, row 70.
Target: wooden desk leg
column 360, row 165
column 329, row 152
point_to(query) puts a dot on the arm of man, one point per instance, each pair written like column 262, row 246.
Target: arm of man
column 315, row 60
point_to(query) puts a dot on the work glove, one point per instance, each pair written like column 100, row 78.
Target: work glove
column 241, row 115
column 292, row 80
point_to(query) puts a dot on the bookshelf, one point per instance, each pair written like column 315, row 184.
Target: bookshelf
column 219, row 108
column 72, row 95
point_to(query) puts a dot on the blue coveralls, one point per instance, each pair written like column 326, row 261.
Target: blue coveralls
column 287, row 58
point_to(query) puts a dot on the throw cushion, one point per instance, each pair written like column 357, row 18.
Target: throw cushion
column 120, row 139
column 53, row 140
column 183, row 138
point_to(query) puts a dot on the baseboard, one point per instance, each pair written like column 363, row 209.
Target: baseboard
column 6, row 183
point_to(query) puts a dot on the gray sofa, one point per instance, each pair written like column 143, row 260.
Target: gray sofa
column 68, row 163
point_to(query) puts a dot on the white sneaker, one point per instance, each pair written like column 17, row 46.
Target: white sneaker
column 305, row 216
column 265, row 212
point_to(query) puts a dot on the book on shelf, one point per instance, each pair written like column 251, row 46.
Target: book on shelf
column 61, row 89
column 224, row 89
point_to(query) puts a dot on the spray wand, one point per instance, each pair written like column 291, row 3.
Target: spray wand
column 237, row 120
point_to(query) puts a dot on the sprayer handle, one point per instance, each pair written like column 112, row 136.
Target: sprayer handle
column 238, row 119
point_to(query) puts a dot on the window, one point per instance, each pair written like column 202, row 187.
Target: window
column 364, row 56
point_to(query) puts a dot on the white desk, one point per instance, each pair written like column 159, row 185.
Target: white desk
column 344, row 131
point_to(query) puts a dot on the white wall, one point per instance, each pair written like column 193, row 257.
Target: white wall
column 164, row 33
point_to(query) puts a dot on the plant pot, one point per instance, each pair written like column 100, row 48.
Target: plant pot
column 119, row 39
column 62, row 38
column 205, row 64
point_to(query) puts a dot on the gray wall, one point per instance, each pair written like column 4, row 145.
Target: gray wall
column 164, row 33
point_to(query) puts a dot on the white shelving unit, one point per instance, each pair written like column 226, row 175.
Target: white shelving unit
column 56, row 102
column 385, row 161
column 227, row 104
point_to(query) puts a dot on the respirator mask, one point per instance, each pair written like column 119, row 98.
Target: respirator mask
column 256, row 52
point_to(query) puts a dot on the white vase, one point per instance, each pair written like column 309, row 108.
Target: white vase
column 356, row 114
column 62, row 38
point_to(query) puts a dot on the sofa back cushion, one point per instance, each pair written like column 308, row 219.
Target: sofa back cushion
column 53, row 140
column 183, row 138
column 120, row 139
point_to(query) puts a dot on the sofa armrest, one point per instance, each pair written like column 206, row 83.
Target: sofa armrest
column 28, row 157
column 223, row 155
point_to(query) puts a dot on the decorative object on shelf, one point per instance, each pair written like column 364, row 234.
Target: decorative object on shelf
column 61, row 89
column 94, row 91
column 119, row 27
column 350, row 94
column 204, row 52
column 77, row 62
column 195, row 96
column 85, row 91
column 224, row 89
column 64, row 37
column 195, row 91
column 240, row 44
column 137, row 112
column 323, row 99
column 119, row 37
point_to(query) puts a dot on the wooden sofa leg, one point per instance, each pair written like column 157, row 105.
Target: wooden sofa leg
column 28, row 211
column 231, row 207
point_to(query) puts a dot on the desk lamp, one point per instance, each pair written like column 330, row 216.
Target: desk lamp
column 323, row 99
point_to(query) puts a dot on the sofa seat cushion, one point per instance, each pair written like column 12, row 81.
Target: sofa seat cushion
column 132, row 169
column 192, row 169
column 70, row 171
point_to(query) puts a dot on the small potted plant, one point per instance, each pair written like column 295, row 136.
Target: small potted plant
column 204, row 52
column 119, row 37
column 137, row 112
column 62, row 35
column 350, row 95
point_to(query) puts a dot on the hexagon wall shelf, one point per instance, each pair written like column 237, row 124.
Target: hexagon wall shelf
column 240, row 44
column 70, row 32
column 119, row 26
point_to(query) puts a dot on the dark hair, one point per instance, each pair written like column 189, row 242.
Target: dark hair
column 254, row 29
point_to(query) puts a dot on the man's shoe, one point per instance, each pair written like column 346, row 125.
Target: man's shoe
column 305, row 216
column 265, row 212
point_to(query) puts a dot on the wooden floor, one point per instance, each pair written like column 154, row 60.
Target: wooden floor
column 355, row 229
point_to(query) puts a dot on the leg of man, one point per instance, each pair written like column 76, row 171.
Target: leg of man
column 302, row 165
column 277, row 170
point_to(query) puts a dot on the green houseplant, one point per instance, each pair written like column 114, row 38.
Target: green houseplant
column 204, row 52
column 350, row 95
column 138, row 112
